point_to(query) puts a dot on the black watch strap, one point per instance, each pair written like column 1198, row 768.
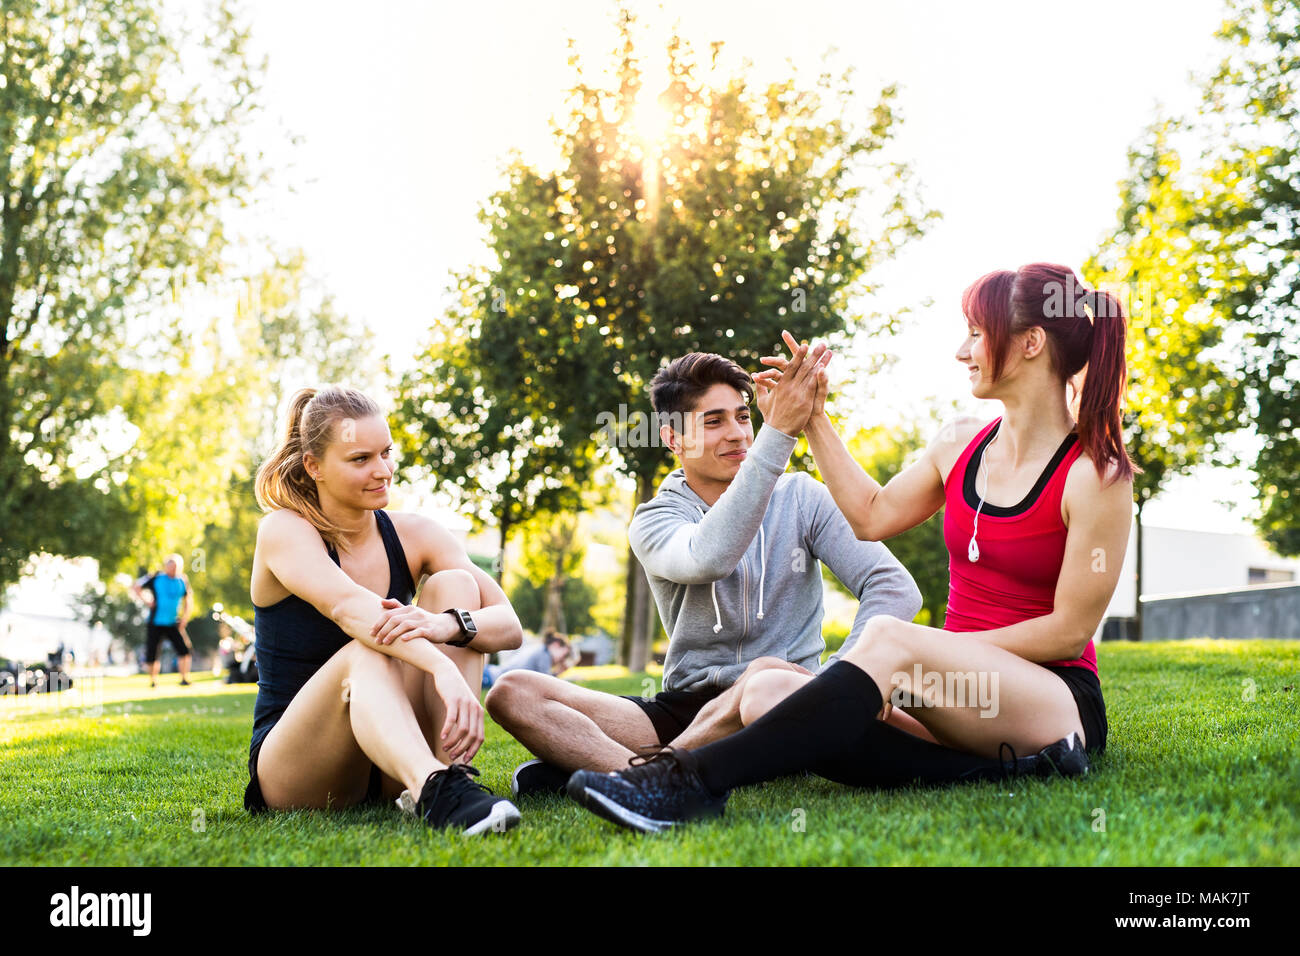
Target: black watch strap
column 468, row 630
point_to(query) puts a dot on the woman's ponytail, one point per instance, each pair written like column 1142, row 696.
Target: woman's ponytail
column 1100, row 430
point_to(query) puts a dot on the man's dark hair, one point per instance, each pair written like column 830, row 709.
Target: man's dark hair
column 681, row 383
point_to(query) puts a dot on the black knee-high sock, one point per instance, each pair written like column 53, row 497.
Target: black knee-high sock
column 829, row 727
column 885, row 756
column 804, row 730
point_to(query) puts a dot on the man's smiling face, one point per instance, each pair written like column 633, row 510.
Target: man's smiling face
column 714, row 437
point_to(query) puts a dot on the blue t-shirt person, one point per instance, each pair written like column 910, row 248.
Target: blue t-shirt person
column 167, row 595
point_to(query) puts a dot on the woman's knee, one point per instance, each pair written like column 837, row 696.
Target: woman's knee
column 760, row 664
column 882, row 636
column 452, row 587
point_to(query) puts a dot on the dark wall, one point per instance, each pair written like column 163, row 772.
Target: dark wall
column 1267, row 610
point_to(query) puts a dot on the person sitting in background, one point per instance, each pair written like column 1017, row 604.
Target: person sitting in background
column 549, row 657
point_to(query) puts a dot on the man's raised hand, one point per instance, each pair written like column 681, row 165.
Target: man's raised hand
column 788, row 391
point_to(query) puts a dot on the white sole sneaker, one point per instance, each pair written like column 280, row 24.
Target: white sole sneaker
column 502, row 817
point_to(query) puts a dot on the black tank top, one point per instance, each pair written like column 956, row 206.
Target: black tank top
column 294, row 639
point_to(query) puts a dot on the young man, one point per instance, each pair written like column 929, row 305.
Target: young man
column 167, row 618
column 731, row 545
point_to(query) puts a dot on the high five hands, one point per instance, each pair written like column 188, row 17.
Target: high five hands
column 793, row 390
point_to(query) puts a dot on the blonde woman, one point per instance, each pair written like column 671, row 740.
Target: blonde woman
column 363, row 694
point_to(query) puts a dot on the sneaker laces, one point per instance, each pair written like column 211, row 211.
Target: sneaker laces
column 662, row 762
column 1013, row 763
column 453, row 784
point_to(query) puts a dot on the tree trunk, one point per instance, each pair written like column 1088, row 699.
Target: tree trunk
column 1137, row 596
column 553, row 617
column 636, row 607
column 504, row 524
column 629, row 587
column 641, row 608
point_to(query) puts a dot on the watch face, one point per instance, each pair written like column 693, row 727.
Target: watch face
column 467, row 622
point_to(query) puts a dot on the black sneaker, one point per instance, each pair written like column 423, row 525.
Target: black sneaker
column 538, row 778
column 450, row 798
column 1066, row 757
column 653, row 794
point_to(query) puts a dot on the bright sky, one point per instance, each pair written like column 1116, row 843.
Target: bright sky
column 1017, row 118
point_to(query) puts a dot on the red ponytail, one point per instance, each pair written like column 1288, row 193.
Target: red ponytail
column 1100, row 432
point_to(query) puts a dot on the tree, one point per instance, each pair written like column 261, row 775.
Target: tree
column 742, row 215
column 116, row 169
column 1182, row 400
column 1222, row 233
column 289, row 333
column 1249, row 207
column 474, row 420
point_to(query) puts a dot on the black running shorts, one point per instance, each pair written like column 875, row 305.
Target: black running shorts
column 672, row 711
column 154, row 636
column 1086, row 689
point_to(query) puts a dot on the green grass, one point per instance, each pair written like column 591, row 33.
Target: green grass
column 1196, row 772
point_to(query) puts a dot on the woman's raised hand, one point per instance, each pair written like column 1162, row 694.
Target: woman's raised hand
column 792, row 390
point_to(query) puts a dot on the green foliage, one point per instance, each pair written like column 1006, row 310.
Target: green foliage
column 1182, row 400
column 576, row 596
column 1250, row 200
column 116, row 169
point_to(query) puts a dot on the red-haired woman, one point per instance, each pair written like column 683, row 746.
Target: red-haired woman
column 1037, row 509
column 362, row 693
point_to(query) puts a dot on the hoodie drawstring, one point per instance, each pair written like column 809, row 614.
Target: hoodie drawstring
column 762, row 577
column 713, row 589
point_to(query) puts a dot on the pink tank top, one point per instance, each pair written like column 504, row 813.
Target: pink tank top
column 1020, row 547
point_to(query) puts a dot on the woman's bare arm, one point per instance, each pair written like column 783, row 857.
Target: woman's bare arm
column 292, row 550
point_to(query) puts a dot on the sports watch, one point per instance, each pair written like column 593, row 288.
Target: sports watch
column 468, row 630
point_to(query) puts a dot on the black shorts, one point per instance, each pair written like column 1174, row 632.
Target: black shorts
column 254, row 803
column 154, row 635
column 671, row 711
column 1086, row 689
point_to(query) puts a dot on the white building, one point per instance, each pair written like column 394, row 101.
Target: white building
column 36, row 615
column 1177, row 561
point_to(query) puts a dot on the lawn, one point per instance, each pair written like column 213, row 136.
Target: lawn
column 1201, row 769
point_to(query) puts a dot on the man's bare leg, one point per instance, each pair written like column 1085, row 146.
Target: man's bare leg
column 569, row 726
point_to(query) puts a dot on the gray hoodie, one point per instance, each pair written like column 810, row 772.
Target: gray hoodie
column 742, row 580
